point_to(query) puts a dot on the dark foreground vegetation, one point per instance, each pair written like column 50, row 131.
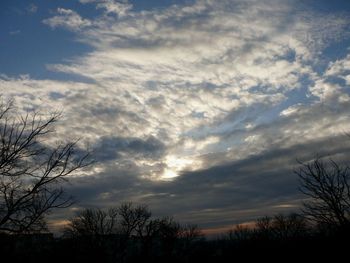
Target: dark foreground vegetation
column 281, row 238
column 30, row 174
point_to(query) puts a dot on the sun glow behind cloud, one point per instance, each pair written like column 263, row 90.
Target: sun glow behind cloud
column 176, row 164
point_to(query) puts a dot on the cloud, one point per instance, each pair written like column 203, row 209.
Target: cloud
column 15, row 32
column 68, row 19
column 340, row 69
column 32, row 8
column 112, row 148
column 119, row 8
column 214, row 97
column 235, row 191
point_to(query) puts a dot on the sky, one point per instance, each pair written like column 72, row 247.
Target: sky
column 198, row 108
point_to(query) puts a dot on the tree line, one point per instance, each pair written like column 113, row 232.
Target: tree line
column 31, row 173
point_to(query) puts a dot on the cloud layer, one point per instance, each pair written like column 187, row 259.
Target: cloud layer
column 215, row 97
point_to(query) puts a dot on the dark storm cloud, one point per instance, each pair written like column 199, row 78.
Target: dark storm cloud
column 232, row 192
column 113, row 148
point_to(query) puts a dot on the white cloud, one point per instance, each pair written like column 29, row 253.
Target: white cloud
column 291, row 110
column 215, row 81
column 340, row 68
column 68, row 19
column 32, row 8
column 120, row 8
column 329, row 93
column 181, row 71
column 15, row 32
column 111, row 6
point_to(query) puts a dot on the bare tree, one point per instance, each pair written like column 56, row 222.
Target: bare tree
column 92, row 222
column 281, row 227
column 30, row 170
column 190, row 233
column 263, row 227
column 327, row 186
column 133, row 219
column 169, row 230
column 150, row 229
column 240, row 233
column 286, row 227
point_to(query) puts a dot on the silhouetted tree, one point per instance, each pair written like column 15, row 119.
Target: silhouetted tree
column 280, row 227
column 150, row 229
column 190, row 233
column 92, row 222
column 288, row 227
column 30, row 170
column 263, row 228
column 169, row 229
column 133, row 219
column 327, row 186
column 240, row 233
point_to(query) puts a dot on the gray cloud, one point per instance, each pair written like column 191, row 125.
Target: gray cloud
column 231, row 192
column 199, row 110
column 112, row 148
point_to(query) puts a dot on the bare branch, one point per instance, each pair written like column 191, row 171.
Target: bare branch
column 31, row 169
column 327, row 186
